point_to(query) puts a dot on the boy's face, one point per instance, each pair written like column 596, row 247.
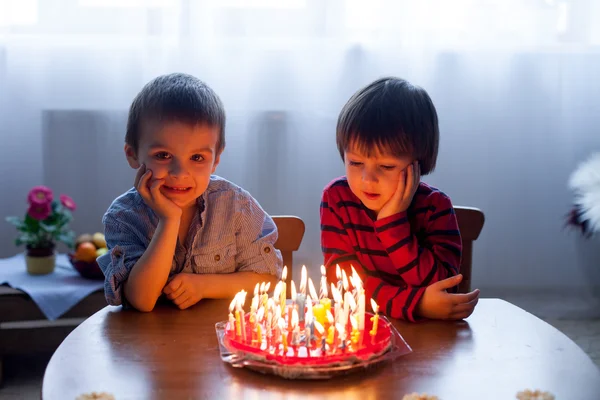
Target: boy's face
column 374, row 179
column 183, row 155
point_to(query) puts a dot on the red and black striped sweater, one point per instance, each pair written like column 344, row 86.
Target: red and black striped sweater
column 397, row 257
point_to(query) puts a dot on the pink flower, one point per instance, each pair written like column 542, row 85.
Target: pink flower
column 40, row 195
column 39, row 211
column 68, row 202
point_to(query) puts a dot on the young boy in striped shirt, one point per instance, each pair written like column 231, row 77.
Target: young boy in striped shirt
column 400, row 234
column 181, row 232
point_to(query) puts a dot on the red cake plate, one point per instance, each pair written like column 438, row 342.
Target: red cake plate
column 302, row 363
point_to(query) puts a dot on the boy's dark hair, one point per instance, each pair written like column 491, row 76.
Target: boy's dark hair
column 175, row 97
column 392, row 116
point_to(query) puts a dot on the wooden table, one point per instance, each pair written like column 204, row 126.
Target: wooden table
column 172, row 354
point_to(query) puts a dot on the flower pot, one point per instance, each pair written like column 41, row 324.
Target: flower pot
column 40, row 261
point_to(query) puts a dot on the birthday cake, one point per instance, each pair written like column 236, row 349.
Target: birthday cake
column 309, row 329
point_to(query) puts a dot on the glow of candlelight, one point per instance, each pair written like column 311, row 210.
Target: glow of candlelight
column 319, row 328
column 338, row 272
column 256, row 288
column 303, row 276
column 262, row 287
column 352, row 302
column 267, row 287
column 374, row 318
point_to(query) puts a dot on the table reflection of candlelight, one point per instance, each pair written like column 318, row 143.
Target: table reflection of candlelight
column 375, row 319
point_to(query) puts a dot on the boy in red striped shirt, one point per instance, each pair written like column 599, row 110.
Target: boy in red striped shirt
column 398, row 232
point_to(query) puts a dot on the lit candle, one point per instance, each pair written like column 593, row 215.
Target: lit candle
column 276, row 294
column 355, row 334
column 295, row 328
column 232, row 320
column 292, row 306
column 301, row 296
column 319, row 313
column 330, row 330
column 375, row 319
column 269, row 321
column 321, row 331
column 309, row 323
column 259, row 317
column 283, row 336
column 265, row 296
column 282, row 295
column 312, row 290
column 346, row 313
column 342, row 336
column 338, row 275
column 361, row 300
column 242, row 315
column 337, row 298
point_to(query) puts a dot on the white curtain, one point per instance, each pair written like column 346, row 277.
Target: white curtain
column 516, row 84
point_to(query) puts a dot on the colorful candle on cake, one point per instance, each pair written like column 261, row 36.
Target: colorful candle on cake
column 360, row 292
column 232, row 320
column 337, row 299
column 375, row 319
column 301, row 296
column 282, row 295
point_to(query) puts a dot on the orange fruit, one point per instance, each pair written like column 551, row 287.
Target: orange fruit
column 86, row 251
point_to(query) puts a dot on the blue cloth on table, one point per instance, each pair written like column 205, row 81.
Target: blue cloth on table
column 54, row 293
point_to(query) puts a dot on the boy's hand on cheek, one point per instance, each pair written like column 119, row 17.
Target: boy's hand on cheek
column 149, row 189
column 407, row 187
column 436, row 303
column 184, row 290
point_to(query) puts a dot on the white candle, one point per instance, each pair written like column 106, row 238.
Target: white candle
column 231, row 317
column 337, row 298
column 338, row 275
column 323, row 287
column 361, row 300
column 282, row 295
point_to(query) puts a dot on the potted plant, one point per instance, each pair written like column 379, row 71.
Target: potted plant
column 44, row 225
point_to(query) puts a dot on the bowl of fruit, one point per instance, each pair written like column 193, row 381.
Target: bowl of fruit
column 87, row 249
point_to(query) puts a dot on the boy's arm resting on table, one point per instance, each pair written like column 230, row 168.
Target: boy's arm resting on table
column 437, row 258
column 136, row 274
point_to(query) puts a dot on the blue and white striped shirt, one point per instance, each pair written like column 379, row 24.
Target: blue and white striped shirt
column 229, row 233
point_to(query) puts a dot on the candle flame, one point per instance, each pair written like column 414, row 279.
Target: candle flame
column 260, row 314
column 262, row 288
column 294, row 318
column 340, row 329
column 357, row 280
column 277, row 290
column 329, row 317
column 338, row 272
column 284, row 273
column 351, row 301
column 243, row 298
column 337, row 296
column 256, row 289
column 323, row 270
column 353, row 322
column 233, row 303
column 312, row 290
column 319, row 328
column 374, row 306
column 281, row 324
column 345, row 280
column 267, row 286
column 303, row 276
column 293, row 290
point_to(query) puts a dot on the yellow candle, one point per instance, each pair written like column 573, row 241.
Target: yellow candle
column 285, row 343
column 238, row 324
column 326, row 302
column 375, row 319
column 330, row 335
column 320, row 313
column 258, row 334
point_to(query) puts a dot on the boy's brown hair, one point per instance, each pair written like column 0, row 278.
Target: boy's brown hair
column 175, row 97
column 392, row 116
